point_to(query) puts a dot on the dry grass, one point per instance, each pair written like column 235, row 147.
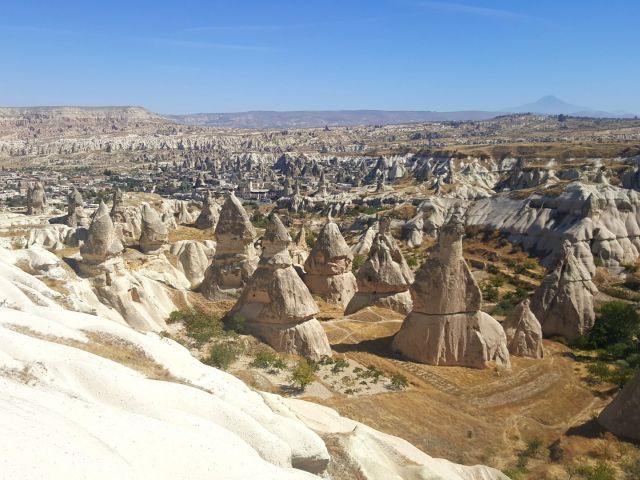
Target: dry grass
column 557, row 150
column 112, row 348
column 184, row 232
column 472, row 416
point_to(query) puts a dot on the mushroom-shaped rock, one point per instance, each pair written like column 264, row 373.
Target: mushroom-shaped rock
column 276, row 304
column 102, row 242
column 154, row 234
column 524, row 333
column 384, row 278
column 235, row 259
column 208, row 217
column 328, row 267
column 564, row 300
column 446, row 326
column 622, row 415
column 36, row 199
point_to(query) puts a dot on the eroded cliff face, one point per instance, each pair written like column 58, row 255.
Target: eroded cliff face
column 600, row 221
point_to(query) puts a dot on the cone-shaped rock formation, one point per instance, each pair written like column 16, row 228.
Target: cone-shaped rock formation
column 446, row 326
column 384, row 278
column 235, row 259
column 524, row 333
column 154, row 234
column 76, row 216
column 563, row 303
column 328, row 267
column 102, row 242
column 276, row 304
column 299, row 248
column 208, row 217
column 36, row 199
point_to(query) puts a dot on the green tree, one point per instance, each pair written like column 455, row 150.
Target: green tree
column 303, row 374
column 617, row 322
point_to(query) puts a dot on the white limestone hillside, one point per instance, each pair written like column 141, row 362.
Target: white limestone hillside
column 87, row 397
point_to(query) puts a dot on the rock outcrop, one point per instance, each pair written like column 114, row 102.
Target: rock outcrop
column 208, row 218
column 524, row 333
column 102, row 242
column 564, row 300
column 328, row 267
column 299, row 248
column 384, row 278
column 154, row 235
column 36, row 199
column 622, row 415
column 76, row 216
column 117, row 209
column 183, row 215
column 235, row 259
column 446, row 326
column 414, row 231
column 192, row 259
column 276, row 304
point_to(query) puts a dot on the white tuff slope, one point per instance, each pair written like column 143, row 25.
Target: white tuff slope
column 70, row 414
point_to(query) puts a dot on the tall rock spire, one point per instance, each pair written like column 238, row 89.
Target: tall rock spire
column 446, row 326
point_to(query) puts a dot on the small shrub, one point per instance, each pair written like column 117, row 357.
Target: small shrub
column 340, row 365
column 358, row 260
column 311, row 238
column 199, row 327
column 263, row 359
column 234, row 323
column 302, row 374
column 493, row 269
column 222, row 355
column 326, row 360
column 533, row 447
column 412, row 261
column 399, row 381
column 490, row 292
column 600, row 471
column 631, row 469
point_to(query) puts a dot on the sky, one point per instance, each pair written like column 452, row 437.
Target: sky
column 225, row 56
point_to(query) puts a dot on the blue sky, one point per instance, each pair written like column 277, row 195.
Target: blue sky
column 219, row 56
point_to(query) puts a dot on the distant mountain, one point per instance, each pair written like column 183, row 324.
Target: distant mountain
column 332, row 118
column 551, row 105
